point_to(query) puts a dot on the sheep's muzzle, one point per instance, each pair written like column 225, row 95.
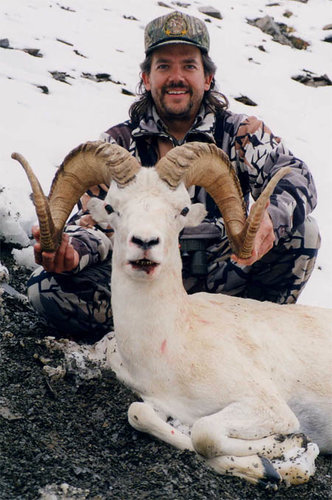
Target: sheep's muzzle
column 145, row 265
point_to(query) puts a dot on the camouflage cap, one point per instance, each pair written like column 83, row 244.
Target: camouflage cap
column 176, row 28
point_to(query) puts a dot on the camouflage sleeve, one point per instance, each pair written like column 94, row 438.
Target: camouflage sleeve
column 119, row 134
column 91, row 240
column 260, row 155
column 92, row 245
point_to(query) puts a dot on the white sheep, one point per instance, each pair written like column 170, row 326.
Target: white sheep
column 250, row 380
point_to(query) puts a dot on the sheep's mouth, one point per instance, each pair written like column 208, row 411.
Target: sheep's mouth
column 143, row 265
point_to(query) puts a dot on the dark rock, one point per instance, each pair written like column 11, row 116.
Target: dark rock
column 288, row 13
column 280, row 32
column 252, row 60
column 325, row 28
column 105, row 77
column 210, row 11
column 66, row 8
column 127, row 92
column 61, row 76
column 101, row 77
column 79, row 54
column 245, row 100
column 163, row 4
column 33, row 52
column 312, row 80
column 130, row 18
column 6, row 411
column 298, row 43
column 328, row 39
column 269, row 26
column 4, row 43
column 183, row 5
column 89, row 76
column 64, row 41
column 43, row 88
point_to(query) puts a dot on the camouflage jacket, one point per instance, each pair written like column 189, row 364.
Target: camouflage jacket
column 255, row 153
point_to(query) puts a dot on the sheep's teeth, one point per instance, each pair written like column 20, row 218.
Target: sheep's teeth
column 144, row 262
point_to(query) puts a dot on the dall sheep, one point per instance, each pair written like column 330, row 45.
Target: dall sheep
column 250, row 380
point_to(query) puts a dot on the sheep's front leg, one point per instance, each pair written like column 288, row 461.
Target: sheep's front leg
column 144, row 418
column 296, row 466
column 257, row 442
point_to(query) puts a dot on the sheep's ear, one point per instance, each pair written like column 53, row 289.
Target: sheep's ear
column 196, row 215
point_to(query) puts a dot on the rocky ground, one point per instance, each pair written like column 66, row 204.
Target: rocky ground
column 69, row 438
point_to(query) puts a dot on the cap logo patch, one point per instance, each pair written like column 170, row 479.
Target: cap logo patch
column 176, row 26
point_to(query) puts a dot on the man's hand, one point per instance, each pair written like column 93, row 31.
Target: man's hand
column 263, row 241
column 64, row 259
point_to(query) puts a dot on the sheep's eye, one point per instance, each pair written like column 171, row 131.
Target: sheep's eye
column 184, row 211
column 109, row 209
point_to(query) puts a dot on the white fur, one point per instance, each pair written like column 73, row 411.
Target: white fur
column 231, row 369
column 4, row 274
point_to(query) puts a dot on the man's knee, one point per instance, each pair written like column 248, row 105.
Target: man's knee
column 73, row 303
column 34, row 286
column 282, row 273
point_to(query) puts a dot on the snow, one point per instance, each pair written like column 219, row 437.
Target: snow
column 106, row 36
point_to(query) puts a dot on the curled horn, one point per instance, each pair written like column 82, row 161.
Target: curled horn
column 208, row 166
column 89, row 164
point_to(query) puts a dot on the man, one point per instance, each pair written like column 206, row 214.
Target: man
column 178, row 104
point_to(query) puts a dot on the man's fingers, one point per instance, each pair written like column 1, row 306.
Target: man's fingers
column 48, row 261
column 35, row 232
column 267, row 244
column 245, row 262
column 64, row 259
column 37, row 253
column 59, row 261
column 262, row 246
column 67, row 257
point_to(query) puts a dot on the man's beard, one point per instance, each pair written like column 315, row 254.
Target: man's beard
column 170, row 112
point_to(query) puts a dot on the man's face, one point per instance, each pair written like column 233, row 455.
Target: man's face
column 177, row 81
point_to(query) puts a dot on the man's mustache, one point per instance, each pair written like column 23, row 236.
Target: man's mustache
column 177, row 86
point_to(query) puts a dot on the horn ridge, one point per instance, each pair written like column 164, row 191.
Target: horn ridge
column 206, row 165
column 257, row 210
column 48, row 236
column 89, row 164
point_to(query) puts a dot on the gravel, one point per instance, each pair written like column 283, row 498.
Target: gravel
column 69, row 438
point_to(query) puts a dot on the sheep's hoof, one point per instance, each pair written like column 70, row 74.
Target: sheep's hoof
column 271, row 479
column 298, row 464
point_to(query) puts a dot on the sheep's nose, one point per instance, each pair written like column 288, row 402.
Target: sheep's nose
column 145, row 244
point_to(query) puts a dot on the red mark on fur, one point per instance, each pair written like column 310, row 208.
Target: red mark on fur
column 163, row 346
column 172, row 432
